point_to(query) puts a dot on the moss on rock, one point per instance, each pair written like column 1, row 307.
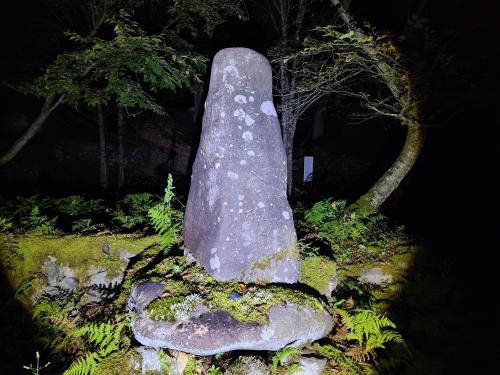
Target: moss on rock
column 317, row 272
column 25, row 254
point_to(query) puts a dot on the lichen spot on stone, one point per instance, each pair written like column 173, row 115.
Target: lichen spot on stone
column 240, row 197
column 286, row 215
column 229, row 70
column 232, row 175
column 217, row 165
column 239, row 113
column 223, row 114
column 267, row 108
column 261, row 205
column 241, row 99
column 243, row 162
column 214, row 262
column 201, row 330
column 250, row 153
column 247, row 136
column 250, row 99
column 213, row 250
column 249, row 121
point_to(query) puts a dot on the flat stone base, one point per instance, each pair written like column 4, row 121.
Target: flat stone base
column 208, row 333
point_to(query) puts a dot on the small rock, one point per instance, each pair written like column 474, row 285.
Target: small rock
column 142, row 295
column 375, row 276
column 106, row 249
column 60, row 279
column 248, row 365
column 148, row 361
column 310, row 366
column 180, row 362
column 235, row 295
column 125, row 255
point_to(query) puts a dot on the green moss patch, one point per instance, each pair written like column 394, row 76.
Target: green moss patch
column 24, row 255
column 317, row 272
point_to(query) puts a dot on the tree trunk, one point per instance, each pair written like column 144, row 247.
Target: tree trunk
column 391, row 179
column 121, row 161
column 102, row 149
column 50, row 103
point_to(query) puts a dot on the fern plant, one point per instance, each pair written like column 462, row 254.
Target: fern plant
column 166, row 220
column 370, row 331
column 283, row 357
column 132, row 210
column 105, row 338
column 353, row 235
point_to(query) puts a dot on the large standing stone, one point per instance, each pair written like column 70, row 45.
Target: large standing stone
column 238, row 223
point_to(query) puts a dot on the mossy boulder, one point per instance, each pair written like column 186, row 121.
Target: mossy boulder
column 267, row 318
column 56, row 264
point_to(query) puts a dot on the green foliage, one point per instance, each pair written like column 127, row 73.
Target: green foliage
column 165, row 219
column 370, row 330
column 35, row 370
column 102, row 338
column 132, row 210
column 341, row 362
column 211, row 12
column 214, row 370
column 5, row 224
column 353, row 236
column 192, row 367
column 283, row 357
column 306, row 249
column 126, row 69
column 77, row 205
column 37, row 223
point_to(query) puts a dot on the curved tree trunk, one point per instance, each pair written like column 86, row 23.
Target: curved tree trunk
column 50, row 103
column 391, row 179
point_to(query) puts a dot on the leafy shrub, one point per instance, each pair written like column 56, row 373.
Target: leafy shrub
column 5, row 224
column 353, row 236
column 36, row 223
column 76, row 205
column 132, row 210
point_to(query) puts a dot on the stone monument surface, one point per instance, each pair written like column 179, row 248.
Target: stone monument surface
column 238, row 223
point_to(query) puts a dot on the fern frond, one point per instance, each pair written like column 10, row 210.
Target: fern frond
column 84, row 365
column 165, row 219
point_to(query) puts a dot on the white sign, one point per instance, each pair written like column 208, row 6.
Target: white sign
column 308, row 168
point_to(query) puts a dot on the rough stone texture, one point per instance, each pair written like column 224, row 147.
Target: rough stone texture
column 375, row 276
column 310, row 366
column 208, row 333
column 60, row 279
column 248, row 365
column 100, row 286
column 237, row 217
column 148, row 361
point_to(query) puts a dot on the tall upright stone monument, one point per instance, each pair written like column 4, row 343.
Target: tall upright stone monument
column 238, row 223
column 239, row 226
